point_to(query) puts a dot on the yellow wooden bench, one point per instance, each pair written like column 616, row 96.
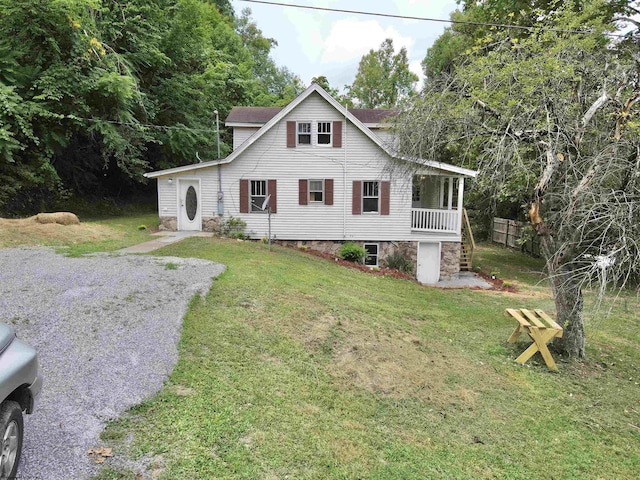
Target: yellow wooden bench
column 540, row 327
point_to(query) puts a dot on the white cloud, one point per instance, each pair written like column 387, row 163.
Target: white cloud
column 416, row 67
column 350, row 39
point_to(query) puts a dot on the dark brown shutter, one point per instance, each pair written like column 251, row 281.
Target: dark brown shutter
column 384, row 198
column 303, row 193
column 337, row 134
column 356, row 202
column 291, row 134
column 273, row 191
column 244, row 196
column 328, row 191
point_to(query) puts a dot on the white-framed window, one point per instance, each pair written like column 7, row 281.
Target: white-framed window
column 371, row 259
column 304, row 133
column 370, row 197
column 316, row 191
column 258, row 195
column 324, row 133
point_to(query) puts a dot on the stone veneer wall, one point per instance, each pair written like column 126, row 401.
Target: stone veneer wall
column 449, row 260
column 209, row 224
column 168, row 223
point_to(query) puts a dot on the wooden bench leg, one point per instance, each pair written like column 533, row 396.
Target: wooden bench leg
column 514, row 336
column 540, row 340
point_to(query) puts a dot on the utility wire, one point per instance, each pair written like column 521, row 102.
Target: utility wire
column 148, row 125
column 428, row 19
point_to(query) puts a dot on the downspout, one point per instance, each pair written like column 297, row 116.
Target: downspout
column 220, row 190
column 344, row 177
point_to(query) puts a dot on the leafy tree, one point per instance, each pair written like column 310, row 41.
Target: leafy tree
column 459, row 39
column 383, row 79
column 94, row 92
column 550, row 117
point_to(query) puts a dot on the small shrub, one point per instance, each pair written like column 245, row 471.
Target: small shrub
column 304, row 248
column 375, row 269
column 506, row 284
column 142, row 227
column 233, row 227
column 352, row 252
column 398, row 261
column 264, row 240
column 170, row 266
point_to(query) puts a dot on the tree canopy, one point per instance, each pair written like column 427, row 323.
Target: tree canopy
column 550, row 119
column 383, row 79
column 95, row 92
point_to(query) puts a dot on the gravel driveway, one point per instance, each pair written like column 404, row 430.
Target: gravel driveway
column 106, row 328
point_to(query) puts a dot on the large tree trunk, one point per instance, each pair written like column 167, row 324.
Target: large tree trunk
column 568, row 298
column 569, row 303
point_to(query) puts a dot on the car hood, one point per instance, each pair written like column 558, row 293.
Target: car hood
column 7, row 335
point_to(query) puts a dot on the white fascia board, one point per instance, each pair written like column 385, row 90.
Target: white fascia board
column 441, row 166
column 185, row 168
column 246, row 124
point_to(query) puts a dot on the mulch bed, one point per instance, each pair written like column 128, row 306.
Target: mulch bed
column 356, row 266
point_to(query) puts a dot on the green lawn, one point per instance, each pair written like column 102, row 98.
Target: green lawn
column 293, row 367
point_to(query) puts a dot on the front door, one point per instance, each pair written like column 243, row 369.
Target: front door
column 428, row 263
column 189, row 216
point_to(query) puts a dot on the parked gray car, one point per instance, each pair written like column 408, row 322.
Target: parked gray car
column 20, row 384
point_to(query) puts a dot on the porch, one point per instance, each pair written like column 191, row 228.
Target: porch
column 436, row 203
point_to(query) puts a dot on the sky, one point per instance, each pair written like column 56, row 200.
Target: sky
column 314, row 43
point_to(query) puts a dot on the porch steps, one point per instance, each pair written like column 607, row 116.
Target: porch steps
column 467, row 245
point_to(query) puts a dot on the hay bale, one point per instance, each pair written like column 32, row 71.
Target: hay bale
column 61, row 218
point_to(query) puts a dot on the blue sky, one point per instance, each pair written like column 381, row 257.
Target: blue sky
column 312, row 43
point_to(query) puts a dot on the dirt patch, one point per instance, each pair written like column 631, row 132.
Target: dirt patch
column 397, row 364
column 28, row 231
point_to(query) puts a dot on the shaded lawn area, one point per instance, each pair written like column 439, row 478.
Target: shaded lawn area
column 293, row 367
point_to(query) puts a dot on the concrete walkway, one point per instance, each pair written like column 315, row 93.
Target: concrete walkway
column 166, row 238
column 464, row 280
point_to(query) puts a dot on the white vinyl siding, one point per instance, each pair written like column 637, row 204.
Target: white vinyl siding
column 241, row 134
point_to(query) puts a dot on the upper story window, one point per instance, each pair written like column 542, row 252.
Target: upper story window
column 370, row 197
column 258, row 194
column 304, row 133
column 324, row 133
column 316, row 133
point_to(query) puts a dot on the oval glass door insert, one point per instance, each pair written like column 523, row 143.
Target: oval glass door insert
column 191, row 203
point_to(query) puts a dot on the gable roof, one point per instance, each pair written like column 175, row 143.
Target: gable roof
column 250, row 116
column 348, row 115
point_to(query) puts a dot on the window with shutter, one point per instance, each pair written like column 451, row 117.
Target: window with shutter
column 324, row 133
column 304, row 133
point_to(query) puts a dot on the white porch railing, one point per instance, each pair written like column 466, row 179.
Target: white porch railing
column 434, row 220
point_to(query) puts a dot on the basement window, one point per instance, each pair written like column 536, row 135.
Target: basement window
column 371, row 259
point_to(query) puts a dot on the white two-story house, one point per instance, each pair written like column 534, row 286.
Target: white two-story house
column 328, row 174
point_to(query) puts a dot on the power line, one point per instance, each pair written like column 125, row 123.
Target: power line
column 427, row 19
column 148, row 125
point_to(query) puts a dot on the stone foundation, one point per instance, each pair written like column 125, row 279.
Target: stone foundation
column 168, row 223
column 449, row 260
column 408, row 249
column 209, row 224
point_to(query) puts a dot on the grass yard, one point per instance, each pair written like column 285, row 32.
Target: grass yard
column 293, row 367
